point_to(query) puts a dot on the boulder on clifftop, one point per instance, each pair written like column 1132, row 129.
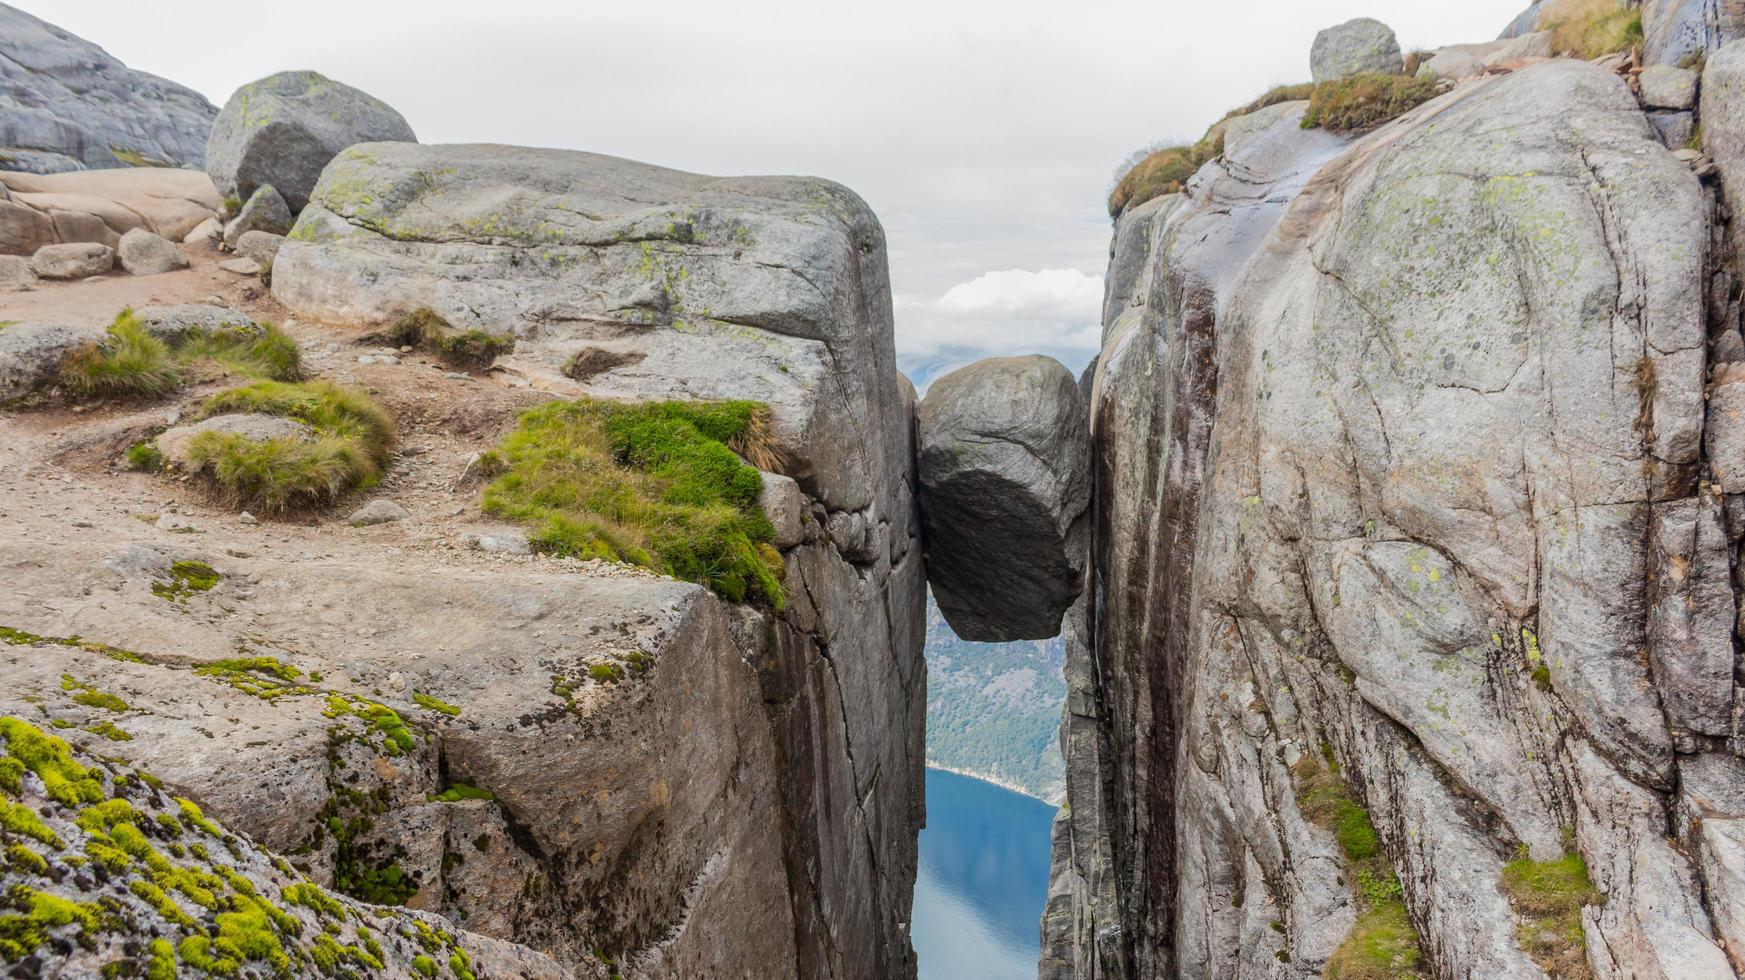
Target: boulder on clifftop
column 282, row 129
column 1005, row 478
column 1359, row 45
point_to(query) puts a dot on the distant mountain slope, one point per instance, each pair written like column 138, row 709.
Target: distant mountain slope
column 993, row 709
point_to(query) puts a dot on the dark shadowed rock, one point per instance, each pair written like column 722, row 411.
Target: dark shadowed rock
column 65, row 104
column 1005, row 477
column 265, row 210
column 282, row 130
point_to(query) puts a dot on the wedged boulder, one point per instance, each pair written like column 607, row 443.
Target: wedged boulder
column 70, row 105
column 282, row 129
column 1668, row 87
column 1358, row 45
column 142, row 253
column 101, row 206
column 1004, row 476
column 72, row 261
column 31, row 354
column 265, row 210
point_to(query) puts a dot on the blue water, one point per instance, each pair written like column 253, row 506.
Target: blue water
column 982, row 882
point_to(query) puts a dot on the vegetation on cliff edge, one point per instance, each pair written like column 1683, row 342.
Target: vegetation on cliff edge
column 660, row 484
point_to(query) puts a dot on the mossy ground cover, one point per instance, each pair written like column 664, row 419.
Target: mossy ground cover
column 424, row 328
column 132, row 363
column 1548, row 897
column 104, row 864
column 353, row 437
column 659, row 484
column 1382, row 944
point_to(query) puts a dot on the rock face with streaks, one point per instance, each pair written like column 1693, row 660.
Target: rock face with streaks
column 1004, row 479
column 1402, row 476
column 66, row 104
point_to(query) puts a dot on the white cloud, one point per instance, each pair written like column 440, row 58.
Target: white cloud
column 1010, row 311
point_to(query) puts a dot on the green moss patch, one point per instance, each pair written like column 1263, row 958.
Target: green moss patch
column 89, row 696
column 186, row 578
column 461, row 348
column 353, row 436
column 1382, row 943
column 462, row 791
column 1365, row 101
column 660, row 485
column 429, row 703
column 1548, row 897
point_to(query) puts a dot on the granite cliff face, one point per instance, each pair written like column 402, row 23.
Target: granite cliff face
column 1415, row 529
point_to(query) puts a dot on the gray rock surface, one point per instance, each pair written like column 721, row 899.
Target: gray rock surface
column 265, row 210
column 1004, row 479
column 1675, row 31
column 282, row 130
column 1668, row 87
column 174, row 323
column 1723, row 115
column 784, row 503
column 15, row 272
column 1373, row 479
column 31, row 354
column 262, row 246
column 72, row 261
column 1358, row 45
column 142, row 253
column 1526, row 22
column 174, row 443
column 67, row 104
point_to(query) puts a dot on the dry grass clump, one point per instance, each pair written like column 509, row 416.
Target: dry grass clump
column 1591, row 28
column 1364, row 101
column 349, row 448
column 472, row 348
column 661, row 485
column 1164, row 171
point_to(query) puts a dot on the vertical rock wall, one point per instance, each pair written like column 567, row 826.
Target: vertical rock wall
column 1401, row 466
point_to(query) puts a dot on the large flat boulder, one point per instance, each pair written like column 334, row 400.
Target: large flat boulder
column 282, row 129
column 1004, row 472
column 70, row 105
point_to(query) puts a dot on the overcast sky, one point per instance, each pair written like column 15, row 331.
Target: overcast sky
column 984, row 134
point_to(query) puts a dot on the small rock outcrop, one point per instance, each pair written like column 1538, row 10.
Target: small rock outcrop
column 142, row 253
column 70, row 105
column 1359, row 45
column 282, row 129
column 72, row 261
column 1004, row 476
column 101, row 206
column 31, row 354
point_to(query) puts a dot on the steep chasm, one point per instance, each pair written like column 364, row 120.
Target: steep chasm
column 1410, row 605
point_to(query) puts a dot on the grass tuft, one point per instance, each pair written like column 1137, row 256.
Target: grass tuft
column 129, row 363
column 1164, row 171
column 1589, row 29
column 653, row 484
column 145, row 457
column 1364, row 101
column 472, row 348
column 353, row 437
column 1548, row 897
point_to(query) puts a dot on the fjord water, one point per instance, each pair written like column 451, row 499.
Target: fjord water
column 982, row 882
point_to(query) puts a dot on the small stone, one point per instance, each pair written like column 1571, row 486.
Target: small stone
column 247, row 518
column 783, row 502
column 457, row 375
column 74, row 260
column 205, row 232
column 235, row 552
column 264, row 211
column 242, row 267
column 382, row 511
column 508, row 541
column 262, row 246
